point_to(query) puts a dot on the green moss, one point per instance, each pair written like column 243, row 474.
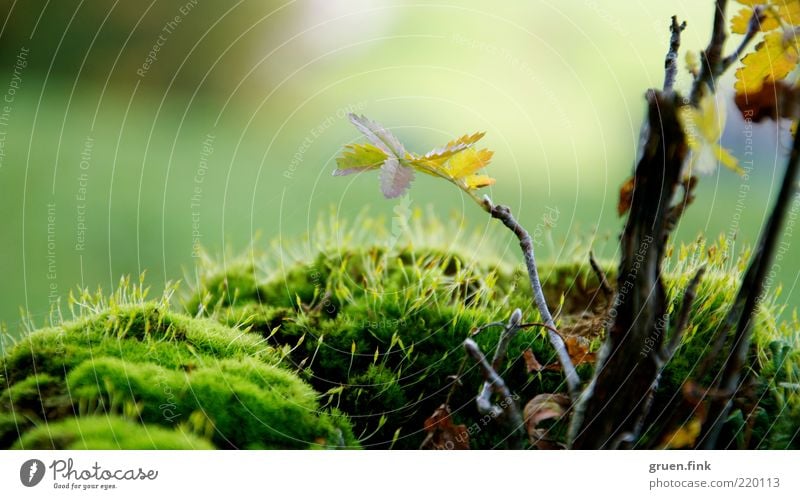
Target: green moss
column 108, row 433
column 162, row 368
column 379, row 331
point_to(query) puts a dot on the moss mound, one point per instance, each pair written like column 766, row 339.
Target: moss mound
column 379, row 330
column 108, row 433
column 138, row 375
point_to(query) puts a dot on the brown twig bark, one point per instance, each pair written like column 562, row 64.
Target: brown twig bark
column 629, row 361
column 711, row 58
column 601, row 276
column 671, row 61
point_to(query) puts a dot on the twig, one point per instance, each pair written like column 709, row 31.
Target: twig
column 683, row 316
column 506, row 336
column 509, row 406
column 601, row 276
column 741, row 313
column 676, row 211
column 753, row 28
column 671, row 61
column 711, row 57
column 539, row 324
column 503, row 213
column 509, row 331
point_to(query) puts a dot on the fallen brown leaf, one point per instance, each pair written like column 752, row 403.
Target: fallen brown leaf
column 442, row 433
column 532, row 364
column 541, row 408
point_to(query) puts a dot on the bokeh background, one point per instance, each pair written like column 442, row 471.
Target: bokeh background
column 132, row 131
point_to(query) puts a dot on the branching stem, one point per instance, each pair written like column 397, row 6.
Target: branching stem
column 503, row 213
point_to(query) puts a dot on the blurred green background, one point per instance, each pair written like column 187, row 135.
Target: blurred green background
column 136, row 130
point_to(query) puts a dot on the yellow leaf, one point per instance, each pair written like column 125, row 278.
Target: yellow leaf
column 468, row 162
column 727, row 159
column 692, row 63
column 741, row 21
column 359, row 157
column 685, row 436
column 773, row 59
column 703, row 128
column 703, row 123
column 478, row 181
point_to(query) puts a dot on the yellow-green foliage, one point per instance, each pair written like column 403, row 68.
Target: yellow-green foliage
column 379, row 329
column 108, row 433
column 150, row 367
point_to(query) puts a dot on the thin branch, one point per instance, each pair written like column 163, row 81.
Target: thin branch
column 711, row 57
column 506, row 336
column 753, row 27
column 539, row 324
column 509, row 331
column 509, row 406
column 741, row 313
column 503, row 213
column 601, row 276
column 683, row 315
column 667, row 352
column 676, row 211
column 671, row 61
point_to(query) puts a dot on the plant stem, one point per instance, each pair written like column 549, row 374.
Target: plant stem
column 503, row 213
column 508, row 406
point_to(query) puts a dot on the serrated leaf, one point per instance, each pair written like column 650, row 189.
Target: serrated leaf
column 775, row 13
column 395, row 178
column 359, row 157
column 380, row 137
column 454, row 146
column 457, row 162
column 773, row 59
column 468, row 162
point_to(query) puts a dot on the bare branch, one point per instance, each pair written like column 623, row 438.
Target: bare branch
column 601, row 276
column 711, row 57
column 503, row 213
column 508, row 406
column 671, row 61
column 739, row 317
column 683, row 316
column 509, row 331
column 753, row 28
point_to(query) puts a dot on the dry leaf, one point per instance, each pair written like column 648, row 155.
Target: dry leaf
column 531, row 363
column 775, row 100
column 542, row 408
column 443, row 434
column 578, row 349
column 626, row 196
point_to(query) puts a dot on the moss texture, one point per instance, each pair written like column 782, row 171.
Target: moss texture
column 130, row 373
column 378, row 330
column 352, row 342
